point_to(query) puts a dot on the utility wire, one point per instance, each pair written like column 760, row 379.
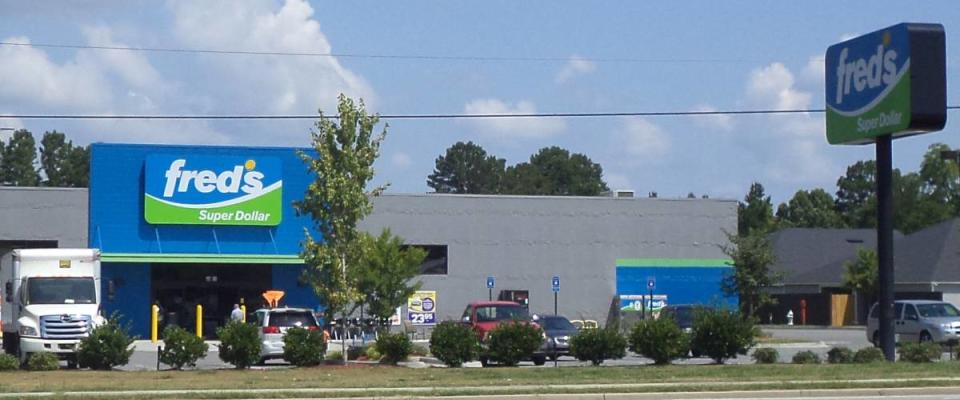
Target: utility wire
column 375, row 56
column 423, row 116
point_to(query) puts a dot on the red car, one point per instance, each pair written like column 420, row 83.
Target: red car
column 483, row 316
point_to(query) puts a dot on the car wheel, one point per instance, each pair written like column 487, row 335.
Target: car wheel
column 484, row 362
column 925, row 337
column 539, row 360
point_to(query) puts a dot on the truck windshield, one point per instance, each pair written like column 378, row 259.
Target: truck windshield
column 501, row 313
column 61, row 291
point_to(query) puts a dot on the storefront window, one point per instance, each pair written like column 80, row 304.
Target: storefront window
column 436, row 261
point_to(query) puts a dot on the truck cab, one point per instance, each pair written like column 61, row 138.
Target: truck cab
column 50, row 300
column 483, row 316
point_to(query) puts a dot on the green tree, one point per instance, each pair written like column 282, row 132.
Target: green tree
column 337, row 199
column 54, row 151
column 467, row 169
column 809, row 209
column 384, row 273
column 856, row 195
column 19, row 160
column 755, row 212
column 751, row 257
column 860, row 275
column 553, row 171
column 941, row 177
column 78, row 167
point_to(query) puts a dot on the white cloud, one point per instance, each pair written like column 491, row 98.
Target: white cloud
column 271, row 84
column 575, row 66
column 401, row 160
column 641, row 138
column 512, row 128
column 813, row 71
column 72, row 85
column 721, row 122
column 773, row 87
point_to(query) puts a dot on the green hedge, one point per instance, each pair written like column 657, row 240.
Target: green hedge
column 597, row 345
column 239, row 344
column 181, row 348
column 454, row 343
column 659, row 339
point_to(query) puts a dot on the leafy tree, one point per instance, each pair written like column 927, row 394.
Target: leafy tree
column 755, row 213
column 54, row 150
column 751, row 255
column 915, row 208
column 382, row 275
column 553, row 171
column 809, row 209
column 861, row 274
column 856, row 195
column 342, row 162
column 19, row 158
column 941, row 177
column 466, row 168
column 78, row 171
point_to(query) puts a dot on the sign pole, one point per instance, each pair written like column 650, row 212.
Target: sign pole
column 885, row 244
column 555, row 304
column 490, row 294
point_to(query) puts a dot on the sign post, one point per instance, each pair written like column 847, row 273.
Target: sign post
column 883, row 85
column 491, row 282
column 651, row 284
column 555, row 283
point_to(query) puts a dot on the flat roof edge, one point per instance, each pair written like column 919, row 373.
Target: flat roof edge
column 182, row 258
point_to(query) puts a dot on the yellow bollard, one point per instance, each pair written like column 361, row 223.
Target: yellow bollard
column 154, row 316
column 199, row 320
column 243, row 309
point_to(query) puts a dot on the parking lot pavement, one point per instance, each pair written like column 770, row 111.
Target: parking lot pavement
column 852, row 337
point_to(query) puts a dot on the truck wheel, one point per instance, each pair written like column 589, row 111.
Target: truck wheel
column 539, row 360
column 72, row 363
column 11, row 344
column 925, row 337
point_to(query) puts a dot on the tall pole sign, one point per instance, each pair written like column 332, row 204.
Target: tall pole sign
column 880, row 86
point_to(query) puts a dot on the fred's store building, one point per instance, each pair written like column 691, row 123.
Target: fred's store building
column 185, row 225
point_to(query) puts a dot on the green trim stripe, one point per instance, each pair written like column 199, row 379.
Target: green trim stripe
column 173, row 258
column 673, row 262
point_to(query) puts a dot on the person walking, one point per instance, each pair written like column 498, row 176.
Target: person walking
column 236, row 314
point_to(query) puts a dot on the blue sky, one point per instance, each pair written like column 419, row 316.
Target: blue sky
column 591, row 57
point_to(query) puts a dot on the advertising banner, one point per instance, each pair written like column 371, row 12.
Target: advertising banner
column 422, row 308
column 212, row 190
column 636, row 302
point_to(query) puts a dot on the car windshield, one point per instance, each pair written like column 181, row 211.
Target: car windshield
column 937, row 310
column 501, row 313
column 557, row 324
column 61, row 291
column 292, row 318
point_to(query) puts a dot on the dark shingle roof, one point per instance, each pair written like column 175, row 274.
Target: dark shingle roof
column 929, row 255
column 801, row 251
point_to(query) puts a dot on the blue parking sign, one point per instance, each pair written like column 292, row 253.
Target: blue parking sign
column 555, row 282
column 651, row 283
column 490, row 282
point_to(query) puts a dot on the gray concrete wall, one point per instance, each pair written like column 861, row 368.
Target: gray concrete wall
column 30, row 213
column 525, row 240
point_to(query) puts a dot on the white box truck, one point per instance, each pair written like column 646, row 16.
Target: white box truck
column 50, row 300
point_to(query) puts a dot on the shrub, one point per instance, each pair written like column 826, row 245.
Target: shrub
column 43, row 361
column 806, row 357
column 596, row 345
column 840, row 355
column 354, row 352
column 721, row 334
column 868, row 355
column 454, row 343
column 511, row 342
column 9, row 362
column 394, row 347
column 419, row 350
column 181, row 348
column 239, row 344
column 107, row 346
column 920, row 352
column 660, row 339
column 303, row 347
column 335, row 356
column 766, row 355
column 372, row 353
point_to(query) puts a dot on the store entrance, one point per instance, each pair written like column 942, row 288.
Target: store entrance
column 178, row 288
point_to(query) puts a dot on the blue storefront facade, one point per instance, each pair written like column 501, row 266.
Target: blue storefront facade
column 671, row 281
column 180, row 226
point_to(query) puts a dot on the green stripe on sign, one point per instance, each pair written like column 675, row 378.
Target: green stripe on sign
column 673, row 262
column 173, row 258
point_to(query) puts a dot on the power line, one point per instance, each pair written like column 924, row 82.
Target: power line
column 422, row 116
column 375, row 56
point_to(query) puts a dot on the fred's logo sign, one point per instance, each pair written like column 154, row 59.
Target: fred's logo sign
column 213, row 190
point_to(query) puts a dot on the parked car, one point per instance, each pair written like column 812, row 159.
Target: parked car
column 273, row 324
column 558, row 330
column 483, row 316
column 682, row 314
column 918, row 321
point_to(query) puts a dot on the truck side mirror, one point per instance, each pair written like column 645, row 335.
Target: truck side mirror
column 8, row 289
column 466, row 319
